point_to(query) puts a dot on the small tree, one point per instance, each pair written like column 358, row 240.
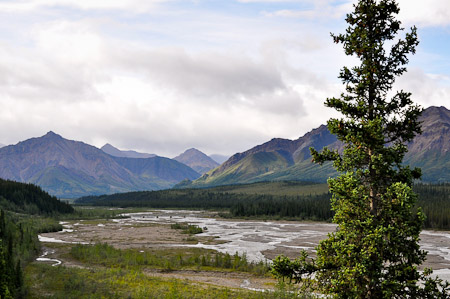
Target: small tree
column 374, row 252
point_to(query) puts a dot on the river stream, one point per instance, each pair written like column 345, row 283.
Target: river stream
column 264, row 240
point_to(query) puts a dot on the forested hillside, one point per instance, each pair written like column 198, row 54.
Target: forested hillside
column 18, row 230
column 30, row 199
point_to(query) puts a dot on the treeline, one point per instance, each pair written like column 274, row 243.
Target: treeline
column 311, row 207
column 434, row 200
column 30, row 199
column 187, row 198
column 435, row 203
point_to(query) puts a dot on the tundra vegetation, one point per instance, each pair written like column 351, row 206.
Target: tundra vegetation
column 374, row 252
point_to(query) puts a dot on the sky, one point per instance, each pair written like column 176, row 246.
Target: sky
column 162, row 76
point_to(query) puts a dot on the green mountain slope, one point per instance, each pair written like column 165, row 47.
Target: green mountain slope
column 288, row 160
column 248, row 169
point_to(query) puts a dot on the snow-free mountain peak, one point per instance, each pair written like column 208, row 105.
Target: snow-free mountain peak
column 197, row 160
column 283, row 159
column 68, row 168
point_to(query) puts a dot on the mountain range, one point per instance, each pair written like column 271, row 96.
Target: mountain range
column 68, row 169
column 283, row 159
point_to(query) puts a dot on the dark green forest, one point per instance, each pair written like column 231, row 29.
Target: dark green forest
column 304, row 207
column 30, row 199
column 435, row 202
column 19, row 230
column 433, row 199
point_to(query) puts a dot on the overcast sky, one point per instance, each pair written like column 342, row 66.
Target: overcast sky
column 161, row 76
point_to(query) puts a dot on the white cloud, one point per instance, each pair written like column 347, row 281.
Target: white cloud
column 87, row 86
column 161, row 83
column 28, row 5
column 208, row 74
column 427, row 89
column 431, row 13
column 320, row 11
column 313, row 10
column 425, row 13
column 271, row 1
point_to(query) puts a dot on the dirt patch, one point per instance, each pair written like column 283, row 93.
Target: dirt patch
column 122, row 236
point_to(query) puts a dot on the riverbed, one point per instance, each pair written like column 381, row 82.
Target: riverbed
column 259, row 240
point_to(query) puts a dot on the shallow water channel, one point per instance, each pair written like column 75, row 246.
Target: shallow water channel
column 264, row 240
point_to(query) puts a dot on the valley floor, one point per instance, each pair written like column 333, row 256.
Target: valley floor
column 150, row 232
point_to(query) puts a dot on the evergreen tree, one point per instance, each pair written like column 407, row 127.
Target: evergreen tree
column 374, row 252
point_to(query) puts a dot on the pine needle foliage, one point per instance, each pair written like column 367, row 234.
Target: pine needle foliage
column 375, row 250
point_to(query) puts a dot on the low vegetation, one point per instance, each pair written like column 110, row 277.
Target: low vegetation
column 188, row 228
column 165, row 259
column 62, row 282
column 114, row 282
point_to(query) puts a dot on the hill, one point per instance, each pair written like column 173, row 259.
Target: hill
column 70, row 169
column 29, row 199
column 196, row 160
column 287, row 160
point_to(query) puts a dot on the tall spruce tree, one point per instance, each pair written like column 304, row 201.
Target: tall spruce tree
column 374, row 252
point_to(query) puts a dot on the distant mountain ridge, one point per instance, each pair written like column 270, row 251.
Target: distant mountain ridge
column 197, row 160
column 67, row 168
column 113, row 151
column 283, row 159
column 219, row 158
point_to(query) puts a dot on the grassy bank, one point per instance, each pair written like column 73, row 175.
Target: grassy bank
column 165, row 259
column 44, row 281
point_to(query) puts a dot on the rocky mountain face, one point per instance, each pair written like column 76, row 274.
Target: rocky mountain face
column 113, row 151
column 431, row 150
column 283, row 159
column 197, row 160
column 68, row 169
